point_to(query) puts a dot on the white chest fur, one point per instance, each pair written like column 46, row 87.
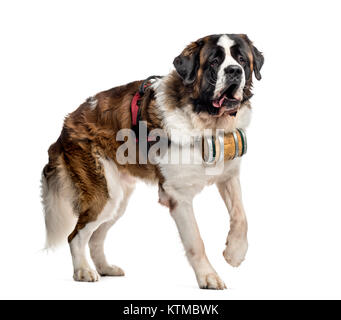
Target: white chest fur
column 184, row 181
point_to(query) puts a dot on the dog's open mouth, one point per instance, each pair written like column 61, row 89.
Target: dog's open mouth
column 227, row 102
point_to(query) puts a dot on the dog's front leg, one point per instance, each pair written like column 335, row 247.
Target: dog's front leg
column 236, row 245
column 182, row 213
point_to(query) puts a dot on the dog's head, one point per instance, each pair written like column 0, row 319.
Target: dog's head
column 217, row 71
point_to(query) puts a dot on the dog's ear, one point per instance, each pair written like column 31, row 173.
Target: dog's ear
column 258, row 59
column 187, row 63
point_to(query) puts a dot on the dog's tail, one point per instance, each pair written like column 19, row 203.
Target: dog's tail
column 57, row 199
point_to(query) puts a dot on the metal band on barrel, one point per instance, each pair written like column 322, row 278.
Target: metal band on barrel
column 211, row 158
column 221, row 147
column 244, row 141
column 236, row 143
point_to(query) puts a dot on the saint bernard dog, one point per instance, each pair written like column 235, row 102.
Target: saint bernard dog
column 85, row 189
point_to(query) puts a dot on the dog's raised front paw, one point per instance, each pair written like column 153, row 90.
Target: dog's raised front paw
column 86, row 275
column 235, row 251
column 211, row 281
column 111, row 271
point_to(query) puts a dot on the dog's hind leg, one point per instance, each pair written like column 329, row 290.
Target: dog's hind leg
column 79, row 239
column 97, row 239
column 106, row 194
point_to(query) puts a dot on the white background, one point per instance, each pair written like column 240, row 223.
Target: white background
column 54, row 54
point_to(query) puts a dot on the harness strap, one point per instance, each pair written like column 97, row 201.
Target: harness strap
column 135, row 108
column 136, row 103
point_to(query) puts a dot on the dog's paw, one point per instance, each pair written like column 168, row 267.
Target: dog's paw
column 211, row 281
column 111, row 271
column 86, row 275
column 235, row 251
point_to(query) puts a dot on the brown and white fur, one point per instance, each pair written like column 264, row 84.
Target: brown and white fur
column 85, row 190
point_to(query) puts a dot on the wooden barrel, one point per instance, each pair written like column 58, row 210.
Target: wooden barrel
column 234, row 145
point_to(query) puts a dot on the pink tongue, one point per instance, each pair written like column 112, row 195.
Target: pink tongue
column 218, row 104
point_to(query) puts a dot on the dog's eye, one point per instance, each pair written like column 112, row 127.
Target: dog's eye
column 241, row 60
column 214, row 63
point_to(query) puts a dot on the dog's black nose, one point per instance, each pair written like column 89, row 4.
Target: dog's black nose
column 233, row 73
